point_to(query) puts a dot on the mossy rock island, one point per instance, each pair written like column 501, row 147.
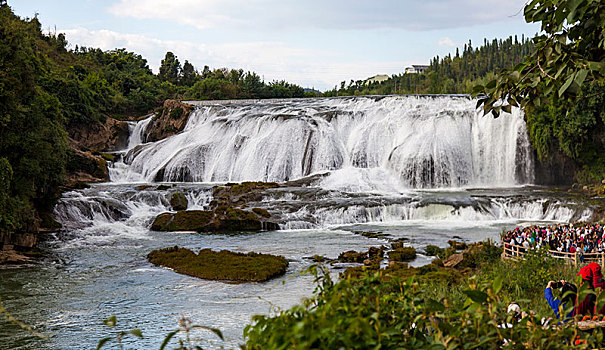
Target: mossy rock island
column 218, row 220
column 221, row 266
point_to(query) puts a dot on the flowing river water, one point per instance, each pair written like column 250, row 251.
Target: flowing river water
column 421, row 168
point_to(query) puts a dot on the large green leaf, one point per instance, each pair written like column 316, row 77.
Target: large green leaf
column 476, row 295
column 568, row 82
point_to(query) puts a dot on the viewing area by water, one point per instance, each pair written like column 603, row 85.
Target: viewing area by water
column 517, row 252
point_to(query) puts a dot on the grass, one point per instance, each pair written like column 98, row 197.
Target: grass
column 223, row 265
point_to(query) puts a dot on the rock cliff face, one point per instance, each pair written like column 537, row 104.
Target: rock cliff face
column 83, row 166
column 170, row 120
column 558, row 170
column 101, row 137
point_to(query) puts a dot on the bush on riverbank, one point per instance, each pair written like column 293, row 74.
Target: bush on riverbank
column 427, row 307
column 223, row 265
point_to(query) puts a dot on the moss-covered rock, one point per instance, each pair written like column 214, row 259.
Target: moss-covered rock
column 224, row 265
column 262, row 212
column 218, row 220
column 352, row 256
column 402, row 254
column 457, row 245
column 178, row 201
column 375, row 253
column 433, row 250
column 187, row 220
column 240, row 194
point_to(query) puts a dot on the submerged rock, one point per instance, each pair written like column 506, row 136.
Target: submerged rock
column 224, row 265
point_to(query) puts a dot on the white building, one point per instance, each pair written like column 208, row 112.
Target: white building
column 416, row 68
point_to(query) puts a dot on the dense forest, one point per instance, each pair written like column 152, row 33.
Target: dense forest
column 448, row 75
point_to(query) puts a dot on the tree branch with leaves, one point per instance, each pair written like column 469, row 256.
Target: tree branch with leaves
column 570, row 52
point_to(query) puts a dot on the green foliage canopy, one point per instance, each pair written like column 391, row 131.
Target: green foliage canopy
column 570, row 51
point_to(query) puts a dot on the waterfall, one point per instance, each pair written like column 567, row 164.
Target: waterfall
column 138, row 134
column 424, row 142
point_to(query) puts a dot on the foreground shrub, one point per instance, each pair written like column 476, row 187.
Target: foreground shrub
column 223, row 265
column 373, row 313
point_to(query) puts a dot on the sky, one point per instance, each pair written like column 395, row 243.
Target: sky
column 312, row 43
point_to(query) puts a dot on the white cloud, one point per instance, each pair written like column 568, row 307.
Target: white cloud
column 333, row 14
column 272, row 60
column 446, row 41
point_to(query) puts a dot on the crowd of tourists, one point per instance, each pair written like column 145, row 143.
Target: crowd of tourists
column 566, row 238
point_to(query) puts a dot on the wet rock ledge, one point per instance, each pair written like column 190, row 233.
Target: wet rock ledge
column 223, row 265
column 228, row 211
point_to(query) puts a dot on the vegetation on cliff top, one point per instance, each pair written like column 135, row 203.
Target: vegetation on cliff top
column 223, row 265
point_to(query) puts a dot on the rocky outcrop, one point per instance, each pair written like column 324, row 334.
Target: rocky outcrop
column 239, row 194
column 112, row 135
column 557, row 170
column 12, row 257
column 170, row 120
column 218, row 220
column 178, row 201
column 83, row 167
column 13, row 245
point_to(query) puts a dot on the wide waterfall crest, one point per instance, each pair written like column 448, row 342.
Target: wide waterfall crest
column 423, row 141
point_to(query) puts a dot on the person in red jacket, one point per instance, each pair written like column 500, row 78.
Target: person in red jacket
column 587, row 306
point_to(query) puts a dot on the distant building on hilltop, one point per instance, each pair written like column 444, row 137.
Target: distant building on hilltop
column 416, row 68
column 376, row 79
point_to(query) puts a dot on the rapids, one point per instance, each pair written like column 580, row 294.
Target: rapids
column 421, row 168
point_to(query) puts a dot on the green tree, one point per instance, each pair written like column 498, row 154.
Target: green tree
column 32, row 136
column 170, row 68
column 569, row 52
column 188, row 75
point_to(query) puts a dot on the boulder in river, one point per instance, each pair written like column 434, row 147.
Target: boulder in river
column 218, row 220
column 178, row 201
column 402, row 254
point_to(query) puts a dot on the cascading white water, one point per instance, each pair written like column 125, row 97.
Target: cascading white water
column 425, row 142
column 138, row 134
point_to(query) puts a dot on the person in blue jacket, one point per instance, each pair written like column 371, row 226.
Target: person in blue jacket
column 568, row 294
